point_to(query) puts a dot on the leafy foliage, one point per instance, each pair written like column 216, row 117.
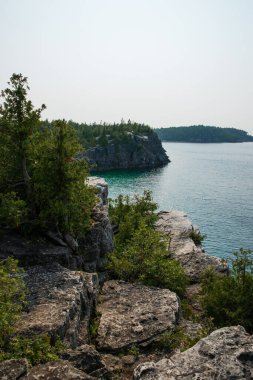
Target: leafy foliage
column 229, row 299
column 196, row 236
column 12, row 297
column 13, row 210
column 202, row 134
column 62, row 195
column 18, row 121
column 178, row 338
column 94, row 325
column 140, row 251
column 37, row 349
column 42, row 183
column 103, row 134
column 134, row 350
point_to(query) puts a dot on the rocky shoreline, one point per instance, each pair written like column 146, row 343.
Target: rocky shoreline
column 112, row 327
column 141, row 151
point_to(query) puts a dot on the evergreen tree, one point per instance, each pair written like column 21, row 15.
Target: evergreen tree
column 62, row 195
column 18, row 121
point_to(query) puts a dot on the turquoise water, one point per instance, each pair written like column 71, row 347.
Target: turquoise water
column 212, row 183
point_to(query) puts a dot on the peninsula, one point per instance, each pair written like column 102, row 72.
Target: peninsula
column 203, row 134
column 125, row 145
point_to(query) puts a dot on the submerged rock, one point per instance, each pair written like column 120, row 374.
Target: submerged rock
column 134, row 314
column 177, row 227
column 60, row 303
column 226, row 354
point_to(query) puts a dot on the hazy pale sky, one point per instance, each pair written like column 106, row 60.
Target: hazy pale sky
column 161, row 62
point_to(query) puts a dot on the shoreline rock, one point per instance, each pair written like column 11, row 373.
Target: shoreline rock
column 177, row 227
column 139, row 153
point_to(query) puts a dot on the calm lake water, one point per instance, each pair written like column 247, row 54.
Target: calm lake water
column 211, row 183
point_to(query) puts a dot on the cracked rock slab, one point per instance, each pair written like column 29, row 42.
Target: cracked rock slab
column 134, row 314
column 60, row 303
column 225, row 354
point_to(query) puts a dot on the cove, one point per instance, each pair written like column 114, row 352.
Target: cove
column 211, row 183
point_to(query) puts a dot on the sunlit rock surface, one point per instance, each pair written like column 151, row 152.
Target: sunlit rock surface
column 134, row 314
column 178, row 227
column 226, row 354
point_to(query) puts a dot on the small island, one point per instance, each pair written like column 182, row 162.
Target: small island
column 203, row 134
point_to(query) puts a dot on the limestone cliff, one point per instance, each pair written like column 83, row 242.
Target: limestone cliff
column 128, row 319
column 139, row 151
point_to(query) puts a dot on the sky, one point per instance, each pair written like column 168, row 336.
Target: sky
column 160, row 62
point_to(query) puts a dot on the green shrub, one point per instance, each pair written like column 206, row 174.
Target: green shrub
column 196, row 236
column 12, row 297
column 36, row 350
column 62, row 196
column 38, row 160
column 13, row 210
column 140, row 252
column 134, row 350
column 229, row 299
column 94, row 325
column 178, row 338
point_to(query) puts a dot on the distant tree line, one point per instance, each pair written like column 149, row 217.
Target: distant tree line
column 102, row 134
column 203, row 134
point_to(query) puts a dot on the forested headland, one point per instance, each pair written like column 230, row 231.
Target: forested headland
column 203, row 134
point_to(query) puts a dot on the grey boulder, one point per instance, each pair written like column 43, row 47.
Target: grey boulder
column 177, row 227
column 226, row 354
column 134, row 314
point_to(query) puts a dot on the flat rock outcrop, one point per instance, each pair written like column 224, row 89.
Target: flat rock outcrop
column 140, row 151
column 134, row 314
column 194, row 260
column 226, row 354
column 60, row 303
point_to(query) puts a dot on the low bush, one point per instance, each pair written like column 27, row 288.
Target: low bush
column 196, row 236
column 141, row 252
column 37, row 349
column 228, row 300
column 178, row 338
